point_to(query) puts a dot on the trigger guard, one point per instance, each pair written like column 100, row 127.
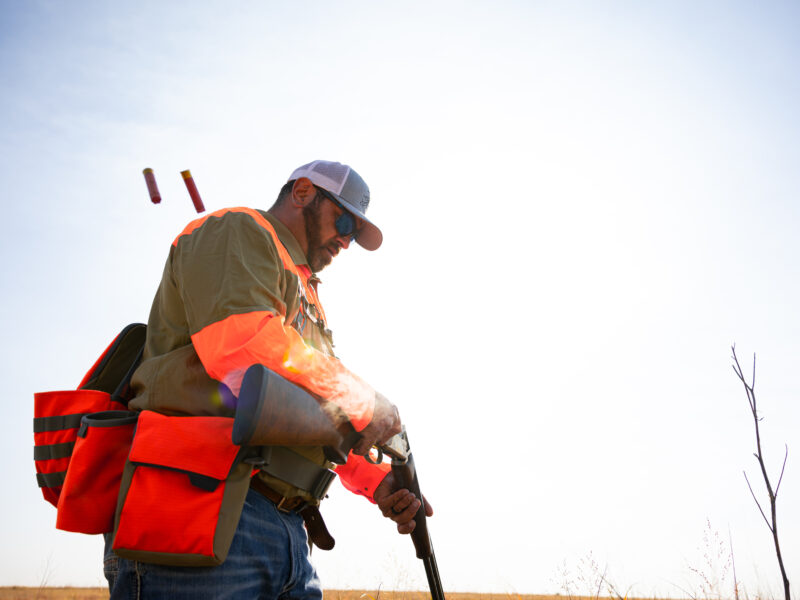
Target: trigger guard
column 378, row 461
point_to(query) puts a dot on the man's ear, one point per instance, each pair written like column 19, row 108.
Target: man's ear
column 303, row 192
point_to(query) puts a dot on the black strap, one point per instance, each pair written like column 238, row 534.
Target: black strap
column 53, row 451
column 56, row 423
column 123, row 389
column 51, row 479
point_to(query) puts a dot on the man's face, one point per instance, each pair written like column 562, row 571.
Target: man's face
column 324, row 242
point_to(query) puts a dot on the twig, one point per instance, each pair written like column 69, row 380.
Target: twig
column 758, row 504
column 772, row 523
column 785, row 456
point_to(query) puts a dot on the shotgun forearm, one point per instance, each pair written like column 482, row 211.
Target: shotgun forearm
column 405, row 474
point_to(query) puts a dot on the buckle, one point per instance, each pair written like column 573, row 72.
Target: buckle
column 280, row 507
column 287, row 505
column 282, row 503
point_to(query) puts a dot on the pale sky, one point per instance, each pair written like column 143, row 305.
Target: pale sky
column 584, row 206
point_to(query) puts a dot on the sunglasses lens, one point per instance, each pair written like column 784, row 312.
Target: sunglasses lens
column 346, row 224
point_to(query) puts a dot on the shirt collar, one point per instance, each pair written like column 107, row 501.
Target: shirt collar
column 287, row 239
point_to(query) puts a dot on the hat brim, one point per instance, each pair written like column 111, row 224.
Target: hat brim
column 369, row 235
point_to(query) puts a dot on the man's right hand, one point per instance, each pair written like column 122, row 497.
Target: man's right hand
column 385, row 423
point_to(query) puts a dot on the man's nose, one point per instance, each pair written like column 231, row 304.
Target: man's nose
column 345, row 241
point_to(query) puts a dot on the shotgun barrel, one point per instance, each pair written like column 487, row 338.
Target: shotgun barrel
column 405, row 473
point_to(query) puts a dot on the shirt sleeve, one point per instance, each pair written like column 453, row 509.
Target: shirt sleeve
column 231, row 277
column 361, row 476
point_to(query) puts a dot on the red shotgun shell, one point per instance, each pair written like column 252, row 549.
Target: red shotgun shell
column 152, row 188
column 195, row 195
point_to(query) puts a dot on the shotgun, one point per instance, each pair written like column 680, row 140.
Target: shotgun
column 405, row 476
column 272, row 411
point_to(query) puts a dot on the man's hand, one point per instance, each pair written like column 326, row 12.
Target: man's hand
column 399, row 506
column 385, row 423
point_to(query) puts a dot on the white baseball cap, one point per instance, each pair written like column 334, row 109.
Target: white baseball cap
column 349, row 189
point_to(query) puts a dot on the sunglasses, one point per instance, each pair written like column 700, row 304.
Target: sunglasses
column 346, row 222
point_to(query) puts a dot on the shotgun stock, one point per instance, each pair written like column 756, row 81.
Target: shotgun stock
column 272, row 411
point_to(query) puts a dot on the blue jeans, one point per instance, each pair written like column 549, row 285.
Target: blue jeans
column 268, row 559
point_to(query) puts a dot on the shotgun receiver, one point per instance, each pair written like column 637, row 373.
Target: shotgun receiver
column 272, row 411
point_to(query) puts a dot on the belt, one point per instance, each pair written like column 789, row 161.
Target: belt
column 283, row 503
column 317, row 531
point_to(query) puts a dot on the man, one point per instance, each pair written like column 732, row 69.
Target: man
column 240, row 288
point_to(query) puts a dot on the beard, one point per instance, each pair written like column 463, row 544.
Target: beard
column 318, row 257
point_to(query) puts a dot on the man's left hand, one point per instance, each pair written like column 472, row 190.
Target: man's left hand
column 399, row 506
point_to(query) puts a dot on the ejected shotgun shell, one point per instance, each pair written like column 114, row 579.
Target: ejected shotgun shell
column 152, row 188
column 195, row 195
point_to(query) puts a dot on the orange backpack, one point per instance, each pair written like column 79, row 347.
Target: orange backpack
column 93, row 423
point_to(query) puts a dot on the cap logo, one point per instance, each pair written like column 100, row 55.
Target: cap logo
column 364, row 202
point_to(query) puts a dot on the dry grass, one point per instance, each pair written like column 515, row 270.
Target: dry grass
column 53, row 593
column 73, row 593
column 386, row 595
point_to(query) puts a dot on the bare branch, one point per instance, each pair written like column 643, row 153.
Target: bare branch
column 740, row 374
column 736, row 368
column 785, row 456
column 759, row 455
column 758, row 504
